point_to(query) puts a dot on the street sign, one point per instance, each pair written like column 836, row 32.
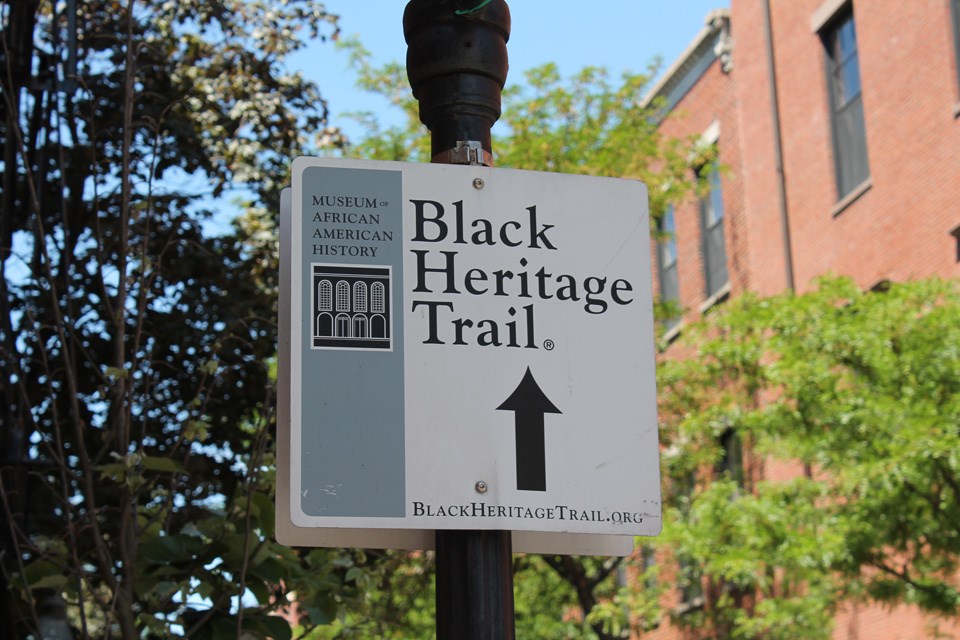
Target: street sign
column 469, row 348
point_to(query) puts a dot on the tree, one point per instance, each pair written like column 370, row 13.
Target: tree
column 136, row 348
column 860, row 390
column 586, row 125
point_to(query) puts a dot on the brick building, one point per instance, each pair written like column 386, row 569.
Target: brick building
column 837, row 127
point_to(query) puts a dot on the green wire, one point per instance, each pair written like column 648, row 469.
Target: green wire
column 463, row 12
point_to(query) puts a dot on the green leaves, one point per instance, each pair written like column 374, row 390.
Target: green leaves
column 43, row 574
column 135, row 334
column 171, row 549
column 165, row 465
column 863, row 388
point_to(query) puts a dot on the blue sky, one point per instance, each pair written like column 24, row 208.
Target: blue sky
column 621, row 35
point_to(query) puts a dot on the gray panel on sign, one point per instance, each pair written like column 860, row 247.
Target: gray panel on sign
column 352, row 404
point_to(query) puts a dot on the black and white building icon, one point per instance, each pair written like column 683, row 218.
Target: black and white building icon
column 351, row 307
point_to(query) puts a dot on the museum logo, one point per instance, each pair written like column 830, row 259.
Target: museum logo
column 351, row 307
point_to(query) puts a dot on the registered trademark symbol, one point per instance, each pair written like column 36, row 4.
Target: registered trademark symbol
column 383, row 203
column 548, row 345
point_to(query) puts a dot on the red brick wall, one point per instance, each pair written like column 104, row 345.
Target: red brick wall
column 898, row 229
column 873, row 622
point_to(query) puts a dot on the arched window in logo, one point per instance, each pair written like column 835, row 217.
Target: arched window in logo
column 378, row 327
column 325, row 295
column 343, row 296
column 324, row 325
column 360, row 296
column 359, row 326
column 343, row 325
column 377, row 298
column 351, row 307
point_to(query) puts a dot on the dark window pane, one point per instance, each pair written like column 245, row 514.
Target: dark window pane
column 690, row 581
column 690, row 574
column 852, row 167
column 648, row 561
column 846, row 103
column 670, row 292
column 668, row 245
column 846, row 39
column 956, row 34
column 715, row 209
column 847, row 81
column 713, row 244
column 667, row 263
column 731, row 461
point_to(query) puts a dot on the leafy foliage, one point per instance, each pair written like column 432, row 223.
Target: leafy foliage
column 136, row 348
column 584, row 125
column 590, row 125
column 137, row 357
column 858, row 394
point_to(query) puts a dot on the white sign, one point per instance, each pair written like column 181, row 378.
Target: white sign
column 469, row 348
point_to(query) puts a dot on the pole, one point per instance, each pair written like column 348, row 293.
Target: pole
column 457, row 66
column 474, row 585
column 778, row 148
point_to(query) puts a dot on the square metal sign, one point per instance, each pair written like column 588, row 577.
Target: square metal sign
column 468, row 348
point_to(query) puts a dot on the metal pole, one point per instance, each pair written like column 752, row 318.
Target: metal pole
column 474, row 585
column 457, row 65
column 778, row 147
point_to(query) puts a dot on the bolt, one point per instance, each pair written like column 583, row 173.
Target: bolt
column 477, row 183
column 481, row 486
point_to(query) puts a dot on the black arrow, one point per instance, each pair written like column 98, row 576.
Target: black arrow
column 529, row 404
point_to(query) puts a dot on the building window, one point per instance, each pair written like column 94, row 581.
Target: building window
column 690, row 583
column 648, row 567
column 689, row 579
column 846, row 104
column 955, row 10
column 730, row 465
column 648, row 576
column 667, row 263
column 711, row 226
